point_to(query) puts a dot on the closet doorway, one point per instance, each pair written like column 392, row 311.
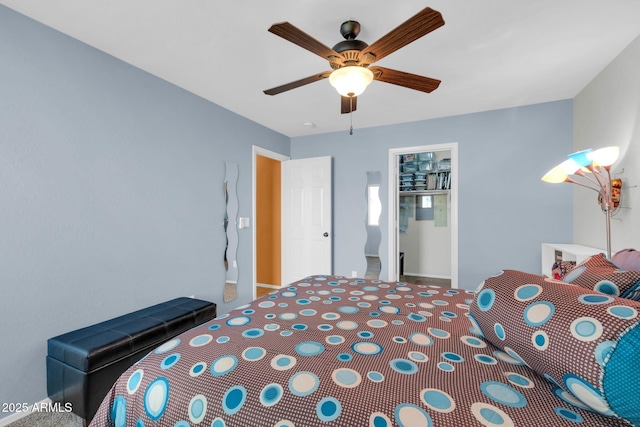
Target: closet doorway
column 423, row 220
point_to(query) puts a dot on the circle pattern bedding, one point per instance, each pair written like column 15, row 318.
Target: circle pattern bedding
column 332, row 351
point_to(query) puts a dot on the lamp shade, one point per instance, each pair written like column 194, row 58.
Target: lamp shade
column 555, row 175
column 569, row 166
column 581, row 157
column 351, row 80
column 604, row 156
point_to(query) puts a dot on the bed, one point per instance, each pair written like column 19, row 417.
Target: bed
column 521, row 350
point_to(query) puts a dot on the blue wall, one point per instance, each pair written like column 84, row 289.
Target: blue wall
column 110, row 194
column 505, row 211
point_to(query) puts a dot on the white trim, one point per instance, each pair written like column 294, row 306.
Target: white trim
column 266, row 285
column 256, row 150
column 427, row 276
column 392, row 218
column 4, row 422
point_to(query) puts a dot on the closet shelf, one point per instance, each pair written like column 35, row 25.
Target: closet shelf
column 423, row 192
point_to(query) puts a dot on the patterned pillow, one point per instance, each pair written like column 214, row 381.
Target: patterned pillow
column 599, row 274
column 627, row 259
column 585, row 342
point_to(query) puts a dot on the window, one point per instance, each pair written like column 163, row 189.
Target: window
column 425, row 202
column 374, row 205
column 424, row 208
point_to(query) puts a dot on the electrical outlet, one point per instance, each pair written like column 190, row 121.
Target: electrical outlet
column 354, row 273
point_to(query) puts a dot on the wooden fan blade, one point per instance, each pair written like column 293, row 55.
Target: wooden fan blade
column 347, row 104
column 412, row 29
column 296, row 36
column 292, row 85
column 400, row 78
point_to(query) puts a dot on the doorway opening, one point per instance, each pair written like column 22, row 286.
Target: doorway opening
column 423, row 216
column 292, row 211
column 267, row 232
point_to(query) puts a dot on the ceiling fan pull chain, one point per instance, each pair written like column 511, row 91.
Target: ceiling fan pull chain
column 351, row 115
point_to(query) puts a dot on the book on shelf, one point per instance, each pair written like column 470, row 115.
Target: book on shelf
column 436, row 180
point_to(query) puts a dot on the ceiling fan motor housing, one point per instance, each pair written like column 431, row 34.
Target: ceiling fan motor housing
column 349, row 48
column 345, row 45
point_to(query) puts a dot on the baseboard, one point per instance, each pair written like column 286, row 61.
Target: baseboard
column 427, row 276
column 264, row 285
column 4, row 422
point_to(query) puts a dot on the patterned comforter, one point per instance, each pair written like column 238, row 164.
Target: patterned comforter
column 332, row 351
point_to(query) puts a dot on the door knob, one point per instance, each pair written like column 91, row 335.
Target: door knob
column 325, row 234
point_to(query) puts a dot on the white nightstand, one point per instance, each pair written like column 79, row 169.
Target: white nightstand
column 569, row 252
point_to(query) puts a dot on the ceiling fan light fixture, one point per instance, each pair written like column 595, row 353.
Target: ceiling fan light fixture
column 351, row 80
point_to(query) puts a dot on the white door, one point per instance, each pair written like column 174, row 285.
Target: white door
column 306, row 218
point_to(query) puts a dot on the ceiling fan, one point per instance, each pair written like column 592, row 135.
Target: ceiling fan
column 350, row 59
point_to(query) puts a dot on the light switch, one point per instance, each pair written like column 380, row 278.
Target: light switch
column 243, row 222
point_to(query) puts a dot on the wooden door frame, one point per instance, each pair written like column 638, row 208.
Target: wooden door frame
column 393, row 238
column 259, row 151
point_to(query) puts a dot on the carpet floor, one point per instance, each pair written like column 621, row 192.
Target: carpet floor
column 48, row 419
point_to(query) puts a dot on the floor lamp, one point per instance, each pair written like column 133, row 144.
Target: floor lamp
column 592, row 169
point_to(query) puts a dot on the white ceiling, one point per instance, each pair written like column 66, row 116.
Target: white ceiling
column 490, row 54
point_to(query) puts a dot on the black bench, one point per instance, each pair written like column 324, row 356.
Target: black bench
column 82, row 365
